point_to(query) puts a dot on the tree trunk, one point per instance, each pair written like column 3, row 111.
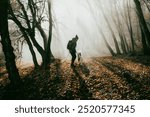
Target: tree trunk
column 113, row 35
column 146, row 50
column 49, row 53
column 26, row 38
column 129, row 25
column 46, row 40
column 43, row 34
column 146, row 3
column 29, row 31
column 108, row 46
column 142, row 21
column 6, row 43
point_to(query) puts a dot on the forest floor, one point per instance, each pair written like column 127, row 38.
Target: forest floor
column 97, row 78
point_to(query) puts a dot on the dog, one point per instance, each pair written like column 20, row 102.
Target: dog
column 80, row 59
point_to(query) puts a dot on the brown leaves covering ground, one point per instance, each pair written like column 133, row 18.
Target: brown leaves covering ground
column 97, row 78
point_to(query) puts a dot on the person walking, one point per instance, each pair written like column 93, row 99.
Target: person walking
column 71, row 46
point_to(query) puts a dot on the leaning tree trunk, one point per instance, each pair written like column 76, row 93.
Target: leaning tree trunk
column 18, row 23
column 113, row 35
column 142, row 21
column 146, row 50
column 6, row 44
column 29, row 31
column 107, row 44
column 47, row 54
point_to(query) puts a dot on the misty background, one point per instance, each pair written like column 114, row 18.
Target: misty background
column 84, row 18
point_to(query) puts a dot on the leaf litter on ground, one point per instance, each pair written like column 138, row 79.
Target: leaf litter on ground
column 102, row 78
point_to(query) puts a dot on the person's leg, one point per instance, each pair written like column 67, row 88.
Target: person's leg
column 73, row 54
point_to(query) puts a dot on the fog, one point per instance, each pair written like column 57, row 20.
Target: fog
column 78, row 17
column 74, row 17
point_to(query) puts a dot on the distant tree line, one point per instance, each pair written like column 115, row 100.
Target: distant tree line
column 124, row 47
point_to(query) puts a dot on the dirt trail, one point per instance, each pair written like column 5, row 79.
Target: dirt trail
column 96, row 78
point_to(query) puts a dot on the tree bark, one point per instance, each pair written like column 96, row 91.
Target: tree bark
column 12, row 70
column 142, row 21
column 146, row 50
column 48, row 50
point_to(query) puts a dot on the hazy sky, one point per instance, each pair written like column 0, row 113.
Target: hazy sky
column 74, row 17
column 81, row 17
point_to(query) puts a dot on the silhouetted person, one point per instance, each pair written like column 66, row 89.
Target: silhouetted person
column 71, row 46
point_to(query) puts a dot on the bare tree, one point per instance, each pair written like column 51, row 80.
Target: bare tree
column 6, row 44
column 32, row 14
column 25, row 35
column 147, row 3
column 113, row 34
column 142, row 21
column 48, row 48
column 107, row 44
column 119, row 26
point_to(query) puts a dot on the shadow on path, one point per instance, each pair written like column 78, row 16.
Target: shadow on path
column 38, row 84
column 145, row 60
column 130, row 78
column 83, row 91
column 84, row 69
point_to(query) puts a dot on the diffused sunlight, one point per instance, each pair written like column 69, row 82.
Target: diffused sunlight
column 77, row 17
column 71, row 17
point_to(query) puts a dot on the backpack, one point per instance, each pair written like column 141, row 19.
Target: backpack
column 69, row 45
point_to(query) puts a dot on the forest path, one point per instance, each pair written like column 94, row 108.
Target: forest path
column 95, row 78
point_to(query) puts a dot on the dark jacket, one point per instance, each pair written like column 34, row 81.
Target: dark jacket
column 71, row 46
